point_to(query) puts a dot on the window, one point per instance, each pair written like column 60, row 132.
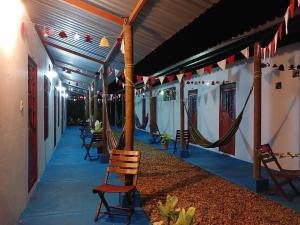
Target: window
column 46, row 107
column 169, row 94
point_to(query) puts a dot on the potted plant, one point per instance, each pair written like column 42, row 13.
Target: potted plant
column 165, row 139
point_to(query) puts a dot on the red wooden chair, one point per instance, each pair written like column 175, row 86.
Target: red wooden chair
column 281, row 177
column 125, row 163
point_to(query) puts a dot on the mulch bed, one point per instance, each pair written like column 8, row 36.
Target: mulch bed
column 217, row 201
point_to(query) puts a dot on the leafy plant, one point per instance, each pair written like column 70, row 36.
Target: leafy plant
column 165, row 138
column 173, row 215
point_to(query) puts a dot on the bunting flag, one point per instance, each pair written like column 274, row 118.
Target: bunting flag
column 292, row 8
column 200, row 72
column 120, row 83
column 188, row 75
column 286, row 19
column 161, row 79
column 179, row 77
column 275, row 41
column 145, row 79
column 245, row 52
column 170, row 78
column 152, row 80
column 230, row 59
column 123, row 85
column 109, row 70
column 280, row 31
column 139, row 78
column 222, row 64
column 117, row 79
column 122, row 48
column 117, row 72
column 208, row 69
column 298, row 3
column 123, row 75
column 270, row 49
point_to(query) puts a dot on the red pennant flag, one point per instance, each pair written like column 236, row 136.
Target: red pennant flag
column 152, row 80
column 273, row 47
column 120, row 83
column 230, row 59
column 139, row 78
column 292, row 8
column 208, row 69
column 280, row 31
column 23, row 29
column 188, row 75
column 170, row 78
column 123, row 75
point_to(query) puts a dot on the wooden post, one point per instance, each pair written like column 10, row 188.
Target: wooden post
column 116, row 111
column 129, row 89
column 104, row 109
column 151, row 110
column 257, row 111
column 96, row 100
column 90, row 106
column 123, row 109
column 86, row 105
column 182, row 145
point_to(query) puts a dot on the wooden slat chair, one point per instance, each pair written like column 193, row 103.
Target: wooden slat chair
column 125, row 163
column 281, row 177
column 85, row 132
column 96, row 142
column 155, row 133
column 186, row 139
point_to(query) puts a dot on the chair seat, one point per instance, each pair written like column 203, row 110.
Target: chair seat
column 113, row 188
column 288, row 173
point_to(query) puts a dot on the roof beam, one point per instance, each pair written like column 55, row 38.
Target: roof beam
column 76, row 71
column 73, row 52
column 77, row 81
column 72, row 86
column 97, row 11
column 60, row 63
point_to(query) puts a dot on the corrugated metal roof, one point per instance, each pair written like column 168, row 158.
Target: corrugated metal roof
column 157, row 22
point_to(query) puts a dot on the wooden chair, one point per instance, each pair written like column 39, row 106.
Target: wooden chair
column 96, row 142
column 85, row 132
column 125, row 163
column 155, row 133
column 186, row 139
column 281, row 177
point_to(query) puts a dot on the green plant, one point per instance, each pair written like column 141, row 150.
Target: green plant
column 165, row 138
column 173, row 215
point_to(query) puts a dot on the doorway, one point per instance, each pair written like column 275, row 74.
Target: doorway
column 192, row 108
column 143, row 111
column 227, row 114
column 153, row 117
column 32, row 124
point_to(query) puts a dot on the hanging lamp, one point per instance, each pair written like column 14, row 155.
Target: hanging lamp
column 104, row 42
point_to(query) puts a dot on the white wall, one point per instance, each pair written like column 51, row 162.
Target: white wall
column 280, row 107
column 14, row 52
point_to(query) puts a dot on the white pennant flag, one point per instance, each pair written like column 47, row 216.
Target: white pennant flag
column 161, row 79
column 245, row 52
column 264, row 53
column 117, row 79
column 270, row 49
column 298, row 3
column 116, row 72
column 286, row 19
column 145, row 79
column 122, row 48
column 222, row 64
column 276, row 39
column 179, row 77
column 123, row 85
column 119, row 95
column 200, row 72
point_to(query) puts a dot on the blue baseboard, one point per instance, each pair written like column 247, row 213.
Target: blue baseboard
column 182, row 153
column 104, row 158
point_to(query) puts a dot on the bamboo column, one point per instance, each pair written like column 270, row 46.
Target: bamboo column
column 129, row 89
column 90, row 106
column 104, row 109
column 182, row 145
column 96, row 99
column 257, row 111
column 123, row 109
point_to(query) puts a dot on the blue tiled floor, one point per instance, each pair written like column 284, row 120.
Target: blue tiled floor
column 64, row 194
column 231, row 169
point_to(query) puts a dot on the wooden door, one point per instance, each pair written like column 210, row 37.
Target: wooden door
column 62, row 114
column 143, row 110
column 227, row 115
column 192, row 107
column 32, row 124
column 54, row 124
column 153, row 117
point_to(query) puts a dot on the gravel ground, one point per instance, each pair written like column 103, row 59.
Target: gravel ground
column 217, row 201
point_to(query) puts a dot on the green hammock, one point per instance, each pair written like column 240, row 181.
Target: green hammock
column 199, row 139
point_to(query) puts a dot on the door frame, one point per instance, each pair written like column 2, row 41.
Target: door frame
column 32, row 180
column 227, row 87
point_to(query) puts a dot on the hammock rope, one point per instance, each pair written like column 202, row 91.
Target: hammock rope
column 138, row 123
column 199, row 139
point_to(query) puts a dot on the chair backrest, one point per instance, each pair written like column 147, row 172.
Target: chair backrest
column 186, row 135
column 97, row 137
column 267, row 156
column 125, row 162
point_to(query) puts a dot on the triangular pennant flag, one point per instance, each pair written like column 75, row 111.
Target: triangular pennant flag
column 208, row 69
column 222, row 64
column 161, row 79
column 117, row 79
column 117, row 72
column 264, row 53
column 170, row 78
column 270, row 49
column 123, row 85
column 188, row 75
column 245, row 52
column 179, row 77
column 280, row 31
column 152, row 80
column 200, row 72
column 145, row 79
column 292, row 8
column 119, row 95
column 286, row 19
column 275, row 41
column 298, row 3
column 122, row 48
column 120, row 83
column 139, row 78
column 230, row 59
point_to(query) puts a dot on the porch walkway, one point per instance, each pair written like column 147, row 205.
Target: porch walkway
column 231, row 169
column 64, row 194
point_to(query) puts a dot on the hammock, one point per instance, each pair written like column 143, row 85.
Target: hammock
column 138, row 123
column 199, row 139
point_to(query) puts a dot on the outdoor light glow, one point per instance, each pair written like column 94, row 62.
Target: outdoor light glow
column 207, row 83
column 162, row 92
column 11, row 13
column 52, row 74
column 65, row 95
column 60, row 88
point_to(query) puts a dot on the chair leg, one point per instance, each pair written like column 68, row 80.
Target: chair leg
column 130, row 199
column 98, row 211
column 101, row 195
column 294, row 187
